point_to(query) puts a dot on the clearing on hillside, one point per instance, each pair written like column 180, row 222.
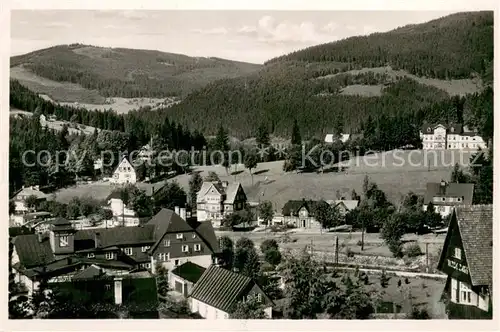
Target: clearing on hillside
column 452, row 87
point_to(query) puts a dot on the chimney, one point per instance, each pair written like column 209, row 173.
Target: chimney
column 177, row 210
column 118, row 290
column 40, row 237
column 182, row 213
column 96, row 240
column 224, row 184
column 443, row 183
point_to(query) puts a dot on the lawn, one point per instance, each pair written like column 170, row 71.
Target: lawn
column 419, row 292
column 391, row 171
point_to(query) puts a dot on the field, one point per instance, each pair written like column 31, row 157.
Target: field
column 58, row 125
column 452, row 87
column 75, row 95
column 396, row 173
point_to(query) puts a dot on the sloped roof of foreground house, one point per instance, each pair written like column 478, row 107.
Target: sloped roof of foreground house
column 221, row 288
column 475, row 225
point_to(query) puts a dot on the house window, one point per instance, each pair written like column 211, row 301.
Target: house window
column 176, row 262
column 145, row 248
column 259, row 297
column 194, row 236
column 107, row 287
column 466, row 294
column 110, row 255
column 179, row 236
column 459, row 199
column 197, row 247
column 458, row 253
column 90, row 255
column 128, row 251
column 185, row 248
column 167, row 243
column 63, row 241
column 162, row 257
column 148, row 265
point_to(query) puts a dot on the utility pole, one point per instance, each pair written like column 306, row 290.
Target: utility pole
column 427, row 257
column 363, row 235
column 312, row 250
column 336, row 250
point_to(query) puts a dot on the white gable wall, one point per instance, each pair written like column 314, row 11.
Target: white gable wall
column 124, row 173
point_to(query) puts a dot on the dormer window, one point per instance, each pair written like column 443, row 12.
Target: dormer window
column 90, row 255
column 63, row 241
column 179, row 236
column 110, row 255
column 145, row 248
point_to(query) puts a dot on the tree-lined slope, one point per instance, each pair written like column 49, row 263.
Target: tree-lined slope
column 121, row 72
column 287, row 88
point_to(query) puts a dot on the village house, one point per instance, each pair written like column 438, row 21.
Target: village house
column 217, row 199
column 217, row 292
column 183, row 278
column 166, row 238
column 467, row 259
column 445, row 196
column 21, row 197
column 122, row 214
column 331, row 138
column 300, row 214
column 178, row 241
column 344, row 206
column 453, row 137
column 125, row 173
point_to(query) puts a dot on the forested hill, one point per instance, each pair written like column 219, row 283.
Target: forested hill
column 129, row 73
column 450, row 47
column 337, row 86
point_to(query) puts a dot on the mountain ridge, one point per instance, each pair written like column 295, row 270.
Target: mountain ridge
column 125, row 72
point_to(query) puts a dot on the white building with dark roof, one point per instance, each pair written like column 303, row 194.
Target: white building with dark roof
column 452, row 137
column 21, row 197
column 125, row 173
column 217, row 199
column 218, row 291
column 445, row 196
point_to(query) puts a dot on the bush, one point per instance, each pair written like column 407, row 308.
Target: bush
column 413, row 250
column 349, row 252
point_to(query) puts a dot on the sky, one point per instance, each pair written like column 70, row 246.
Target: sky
column 251, row 36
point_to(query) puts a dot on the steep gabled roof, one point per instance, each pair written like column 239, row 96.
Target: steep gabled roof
column 465, row 190
column 206, row 232
column 32, row 192
column 91, row 272
column 220, row 288
column 189, row 271
column 117, row 235
column 32, row 252
column 231, row 191
column 475, row 223
column 206, row 186
column 348, row 203
column 292, row 207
